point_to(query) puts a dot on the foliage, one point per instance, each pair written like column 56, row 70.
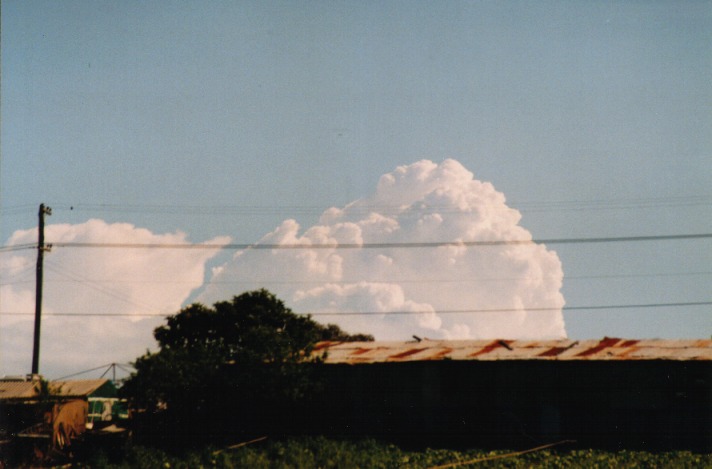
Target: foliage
column 334, row 333
column 319, row 452
column 238, row 359
column 46, row 393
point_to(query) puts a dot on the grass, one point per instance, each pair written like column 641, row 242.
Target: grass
column 319, row 452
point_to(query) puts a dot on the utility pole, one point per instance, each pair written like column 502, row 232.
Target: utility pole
column 41, row 248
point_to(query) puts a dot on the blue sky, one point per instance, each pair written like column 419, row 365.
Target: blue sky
column 226, row 118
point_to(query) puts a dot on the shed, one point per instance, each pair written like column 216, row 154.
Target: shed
column 16, row 389
column 49, row 421
column 28, row 388
column 612, row 392
column 101, row 396
column 84, row 388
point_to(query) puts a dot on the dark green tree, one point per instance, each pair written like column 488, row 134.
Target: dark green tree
column 242, row 363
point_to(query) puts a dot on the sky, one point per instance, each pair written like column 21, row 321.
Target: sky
column 288, row 139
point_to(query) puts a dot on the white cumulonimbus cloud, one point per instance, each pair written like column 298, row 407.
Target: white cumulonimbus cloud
column 94, row 299
column 379, row 260
column 453, row 291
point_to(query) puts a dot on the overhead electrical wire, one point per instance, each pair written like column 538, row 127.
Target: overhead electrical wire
column 393, row 245
column 293, row 210
column 24, row 274
column 17, row 209
column 388, row 280
column 510, row 310
column 619, row 204
column 97, row 287
column 122, row 366
column 389, row 313
column 18, row 247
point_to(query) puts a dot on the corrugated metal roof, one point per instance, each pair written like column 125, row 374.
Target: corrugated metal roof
column 428, row 350
column 25, row 389
column 77, row 387
column 17, row 389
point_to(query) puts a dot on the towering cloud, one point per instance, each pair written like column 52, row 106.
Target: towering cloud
column 452, row 291
column 373, row 256
column 110, row 288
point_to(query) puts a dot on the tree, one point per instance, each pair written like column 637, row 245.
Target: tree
column 240, row 361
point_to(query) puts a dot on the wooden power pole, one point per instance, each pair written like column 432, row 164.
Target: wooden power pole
column 41, row 248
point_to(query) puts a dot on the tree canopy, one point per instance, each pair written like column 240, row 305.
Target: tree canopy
column 255, row 326
column 244, row 356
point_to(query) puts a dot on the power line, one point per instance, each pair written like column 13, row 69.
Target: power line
column 18, row 247
column 608, row 204
column 107, row 367
column 394, row 245
column 444, row 311
column 25, row 209
column 252, row 210
column 98, row 282
column 94, row 286
column 512, row 310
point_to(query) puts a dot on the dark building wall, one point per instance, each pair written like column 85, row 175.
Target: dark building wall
column 651, row 405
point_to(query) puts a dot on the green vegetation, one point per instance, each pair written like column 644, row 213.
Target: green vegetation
column 235, row 371
column 228, row 345
column 323, row 453
column 234, row 368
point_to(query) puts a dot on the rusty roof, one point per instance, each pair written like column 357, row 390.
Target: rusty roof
column 571, row 350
